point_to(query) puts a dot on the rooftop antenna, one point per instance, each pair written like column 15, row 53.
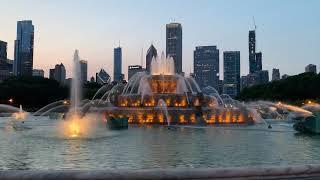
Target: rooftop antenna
column 254, row 23
column 119, row 43
column 255, row 28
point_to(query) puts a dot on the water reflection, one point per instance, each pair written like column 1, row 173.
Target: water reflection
column 140, row 147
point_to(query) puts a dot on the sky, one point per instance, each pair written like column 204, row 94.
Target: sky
column 288, row 31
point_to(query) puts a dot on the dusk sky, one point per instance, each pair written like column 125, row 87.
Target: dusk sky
column 288, row 31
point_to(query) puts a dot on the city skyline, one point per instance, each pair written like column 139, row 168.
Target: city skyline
column 276, row 39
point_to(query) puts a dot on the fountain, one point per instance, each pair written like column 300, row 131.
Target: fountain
column 185, row 103
column 74, row 124
column 163, row 106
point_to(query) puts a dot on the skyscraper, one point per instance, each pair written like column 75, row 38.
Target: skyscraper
column 60, row 73
column 255, row 59
column 5, row 67
column 133, row 69
column 311, row 68
column 151, row 53
column 103, row 77
column 51, row 73
column 263, row 76
column 83, row 70
column 3, row 50
column 252, row 51
column 275, row 74
column 206, row 66
column 258, row 66
column 117, row 64
column 231, row 66
column 174, row 44
column 23, row 49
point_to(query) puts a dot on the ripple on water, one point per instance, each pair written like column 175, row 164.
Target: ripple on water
column 43, row 147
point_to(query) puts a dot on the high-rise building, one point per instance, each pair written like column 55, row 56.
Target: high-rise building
column 174, row 44
column 260, row 77
column 38, row 72
column 23, row 49
column 117, row 64
column 258, row 57
column 3, row 50
column 255, row 59
column 51, row 74
column 252, row 51
column 275, row 74
column 5, row 66
column 243, row 82
column 60, row 73
column 83, row 70
column 133, row 69
column 103, row 77
column 206, row 66
column 263, row 76
column 151, row 53
column 231, row 69
column 311, row 68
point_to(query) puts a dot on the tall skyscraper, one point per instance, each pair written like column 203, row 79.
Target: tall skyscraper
column 174, row 44
column 311, row 68
column 231, row 67
column 133, row 69
column 252, row 51
column 103, row 77
column 206, row 66
column 255, row 59
column 151, row 53
column 23, row 49
column 117, row 64
column 275, row 74
column 84, row 70
column 3, row 50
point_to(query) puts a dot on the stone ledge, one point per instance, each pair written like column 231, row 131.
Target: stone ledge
column 280, row 172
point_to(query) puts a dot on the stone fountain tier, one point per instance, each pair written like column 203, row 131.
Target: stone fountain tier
column 195, row 115
column 171, row 100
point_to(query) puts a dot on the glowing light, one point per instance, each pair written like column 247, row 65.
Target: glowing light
column 65, row 102
column 19, row 115
column 309, row 102
column 75, row 126
column 10, row 100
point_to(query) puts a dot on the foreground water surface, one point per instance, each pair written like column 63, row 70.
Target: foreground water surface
column 141, row 147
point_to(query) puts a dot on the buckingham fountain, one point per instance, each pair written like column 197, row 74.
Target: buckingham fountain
column 164, row 97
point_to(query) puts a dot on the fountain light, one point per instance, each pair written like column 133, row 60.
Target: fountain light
column 10, row 100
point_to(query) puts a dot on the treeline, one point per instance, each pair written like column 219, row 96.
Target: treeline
column 292, row 89
column 35, row 92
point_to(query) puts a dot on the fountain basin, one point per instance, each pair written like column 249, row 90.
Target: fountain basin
column 117, row 123
column 310, row 124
